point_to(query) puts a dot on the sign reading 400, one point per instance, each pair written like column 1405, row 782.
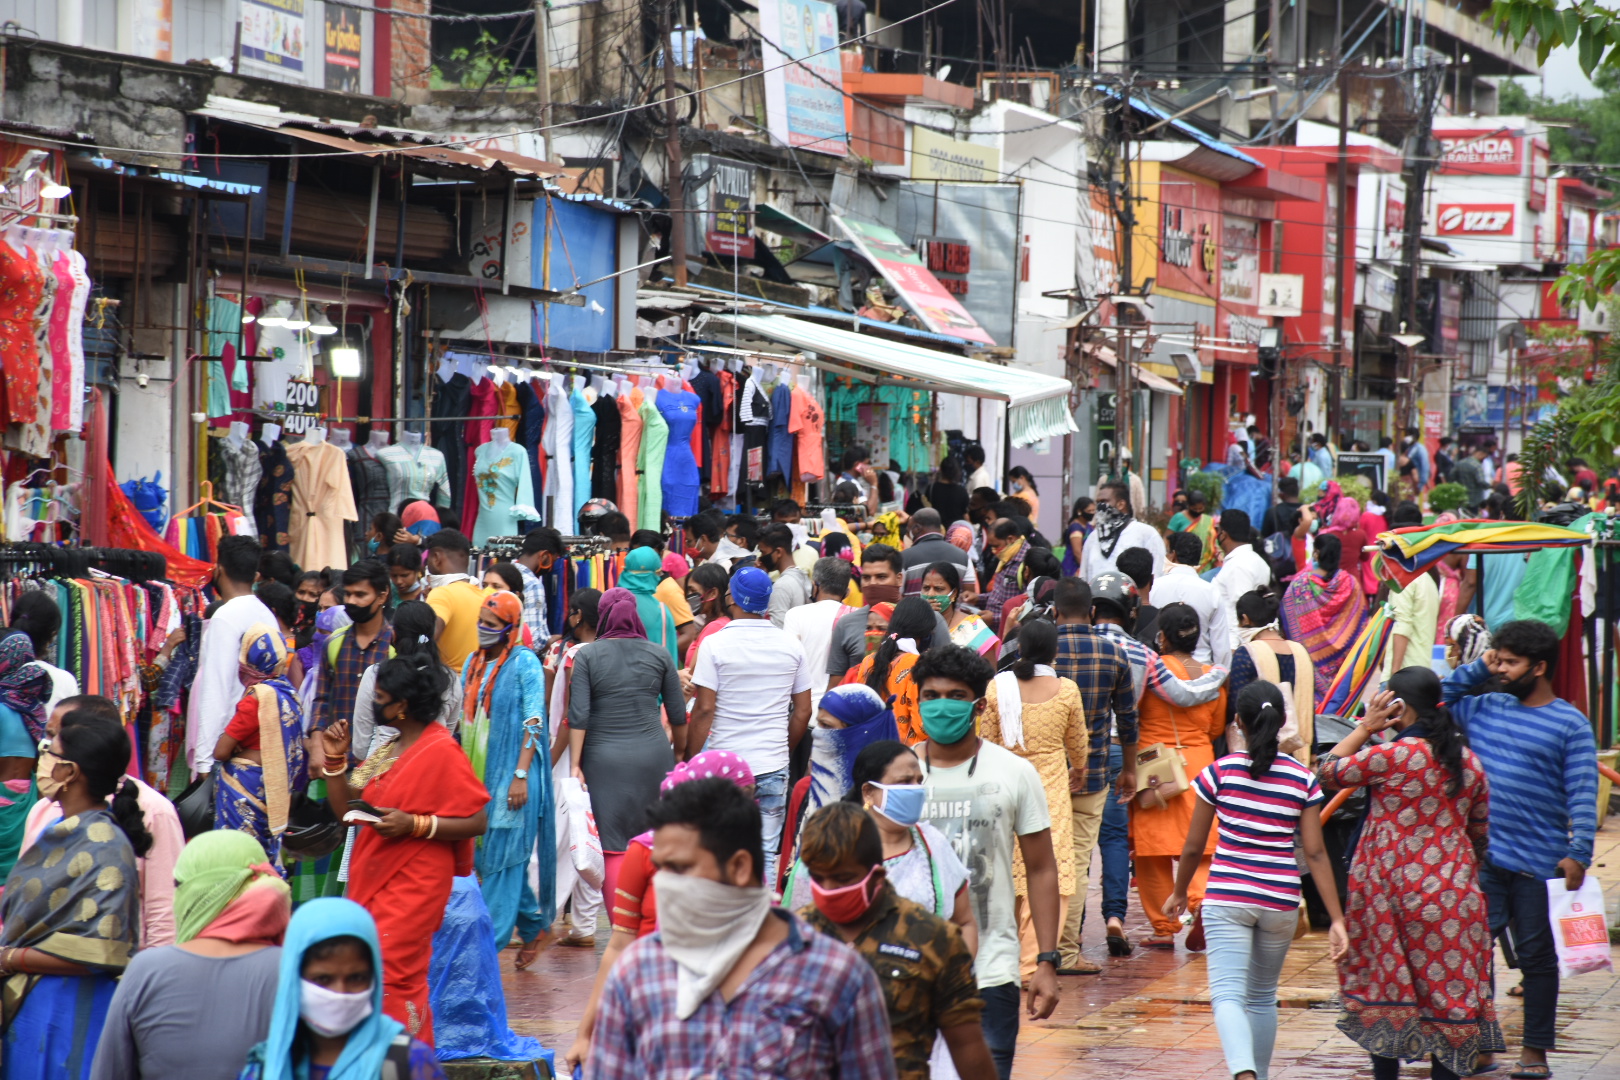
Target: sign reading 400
column 302, row 403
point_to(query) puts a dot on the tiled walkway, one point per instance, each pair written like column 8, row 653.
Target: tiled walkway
column 1147, row 1017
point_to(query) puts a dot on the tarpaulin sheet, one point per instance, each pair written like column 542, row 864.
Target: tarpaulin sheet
column 464, row 983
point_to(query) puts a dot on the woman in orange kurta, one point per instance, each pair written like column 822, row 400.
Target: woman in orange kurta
column 432, row 809
column 1158, row 833
column 888, row 670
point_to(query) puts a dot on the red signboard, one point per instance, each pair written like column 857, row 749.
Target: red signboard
column 1473, row 153
column 1190, row 235
column 1474, row 219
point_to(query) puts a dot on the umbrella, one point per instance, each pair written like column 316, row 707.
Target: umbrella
column 1411, row 551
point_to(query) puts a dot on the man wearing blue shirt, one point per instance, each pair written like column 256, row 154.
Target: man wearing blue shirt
column 1420, row 457
column 1320, row 457
column 1541, row 763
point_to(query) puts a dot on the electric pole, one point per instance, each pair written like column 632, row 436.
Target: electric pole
column 677, row 183
column 1418, row 166
column 542, row 74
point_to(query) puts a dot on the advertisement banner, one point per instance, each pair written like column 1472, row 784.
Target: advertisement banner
column 1238, row 316
column 342, row 49
column 1476, row 153
column 804, row 79
column 1474, row 219
column 729, row 202
column 919, row 289
column 1190, row 235
column 154, row 29
column 935, row 156
column 273, row 34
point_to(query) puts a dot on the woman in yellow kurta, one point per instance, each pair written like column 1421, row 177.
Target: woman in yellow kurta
column 1158, row 833
column 321, row 502
column 1040, row 717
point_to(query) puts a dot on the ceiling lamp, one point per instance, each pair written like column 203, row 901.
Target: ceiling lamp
column 297, row 317
column 277, row 315
column 52, row 190
column 248, row 316
column 344, row 360
column 321, row 325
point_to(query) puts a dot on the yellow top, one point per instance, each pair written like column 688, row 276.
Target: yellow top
column 457, row 605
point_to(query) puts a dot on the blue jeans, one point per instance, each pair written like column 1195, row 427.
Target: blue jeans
column 1518, row 906
column 1000, row 1022
column 1246, row 950
column 1115, row 845
column 770, row 792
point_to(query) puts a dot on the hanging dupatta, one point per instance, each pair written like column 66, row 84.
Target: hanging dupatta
column 480, row 675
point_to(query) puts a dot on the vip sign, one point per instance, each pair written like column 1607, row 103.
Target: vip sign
column 1494, row 219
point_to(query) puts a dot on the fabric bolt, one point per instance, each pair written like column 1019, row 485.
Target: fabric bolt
column 558, row 443
column 650, row 465
column 584, row 436
column 505, row 490
column 679, row 475
column 630, row 430
column 605, row 449
column 321, row 503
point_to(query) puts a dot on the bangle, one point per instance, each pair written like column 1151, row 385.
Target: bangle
column 434, row 829
column 418, row 827
column 334, row 772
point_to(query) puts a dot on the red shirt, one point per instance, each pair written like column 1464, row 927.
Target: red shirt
column 244, row 725
column 634, row 907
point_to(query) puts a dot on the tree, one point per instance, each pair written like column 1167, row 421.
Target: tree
column 1593, row 131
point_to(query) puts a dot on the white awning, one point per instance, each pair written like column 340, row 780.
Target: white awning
column 1038, row 405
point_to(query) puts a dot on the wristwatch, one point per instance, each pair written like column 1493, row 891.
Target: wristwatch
column 1049, row 958
column 521, row 774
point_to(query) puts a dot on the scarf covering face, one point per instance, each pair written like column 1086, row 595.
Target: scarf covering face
column 1009, row 553
column 640, row 576
column 1110, row 527
column 617, row 616
column 212, row 879
column 704, row 926
column 263, row 666
column 24, row 685
column 866, row 720
column 483, row 665
column 1346, row 516
column 362, row 1058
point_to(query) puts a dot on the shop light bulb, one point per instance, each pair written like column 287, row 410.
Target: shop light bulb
column 53, row 190
column 344, row 361
column 248, row 317
column 277, row 315
column 297, row 319
column 321, row 325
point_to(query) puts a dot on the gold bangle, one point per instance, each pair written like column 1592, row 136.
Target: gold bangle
column 434, row 830
column 325, row 772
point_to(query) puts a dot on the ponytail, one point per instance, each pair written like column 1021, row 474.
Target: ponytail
column 126, row 810
column 1260, row 710
column 913, row 618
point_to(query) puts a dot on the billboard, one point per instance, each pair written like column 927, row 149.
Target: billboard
column 273, row 34
column 919, row 289
column 1475, row 153
column 804, row 79
column 342, row 49
column 1474, row 219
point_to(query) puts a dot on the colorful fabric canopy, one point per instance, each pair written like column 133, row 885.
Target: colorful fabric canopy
column 1413, row 550
column 1360, row 665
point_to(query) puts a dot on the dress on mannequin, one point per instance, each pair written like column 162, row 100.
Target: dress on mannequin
column 531, row 429
column 584, row 431
column 679, row 474
column 21, row 285
column 484, row 400
column 779, row 447
column 415, row 471
column 605, row 450
column 272, row 505
column 243, row 471
column 321, row 502
column 706, row 385
column 368, row 477
column 650, row 463
column 558, row 441
column 505, row 488
column 720, row 472
column 629, row 452
column 450, row 398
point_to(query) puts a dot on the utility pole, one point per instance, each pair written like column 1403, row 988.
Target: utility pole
column 1124, row 380
column 542, row 74
column 1342, row 231
column 677, row 182
column 1418, row 164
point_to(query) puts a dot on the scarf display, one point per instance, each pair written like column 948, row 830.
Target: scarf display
column 1011, row 706
column 1325, row 615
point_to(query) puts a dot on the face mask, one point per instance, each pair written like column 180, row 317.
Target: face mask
column 307, row 610
column 874, row 638
column 44, row 775
column 940, row 602
column 902, row 803
column 947, row 720
column 1018, row 485
column 880, row 594
column 1519, row 688
column 371, row 546
column 410, row 590
column 694, row 601
column 330, row 1013
column 845, row 905
column 705, row 926
column 488, row 637
column 358, row 613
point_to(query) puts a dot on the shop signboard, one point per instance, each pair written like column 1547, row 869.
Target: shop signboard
column 1190, row 236
column 301, row 400
column 804, row 79
column 1492, row 152
column 1481, row 406
column 274, row 35
column 872, row 429
column 919, row 289
column 1239, row 311
column 936, row 156
column 1368, row 466
column 725, row 202
column 343, row 44
column 154, row 29
column 1282, row 295
column 1474, row 219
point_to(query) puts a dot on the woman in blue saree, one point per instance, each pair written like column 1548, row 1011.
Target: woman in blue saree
column 263, row 746
column 503, row 732
column 71, row 911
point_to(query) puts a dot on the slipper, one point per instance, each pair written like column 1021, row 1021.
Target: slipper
column 1531, row 1072
column 530, row 951
column 1157, row 941
column 1081, row 966
column 1517, row 991
column 1118, row 943
column 1195, row 937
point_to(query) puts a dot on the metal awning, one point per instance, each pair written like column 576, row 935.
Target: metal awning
column 1038, row 405
column 1104, row 355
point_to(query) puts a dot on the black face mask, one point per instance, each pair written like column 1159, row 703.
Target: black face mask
column 307, row 610
column 1520, row 688
column 358, row 613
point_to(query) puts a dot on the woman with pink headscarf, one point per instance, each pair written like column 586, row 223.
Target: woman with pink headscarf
column 1344, row 521
column 632, row 905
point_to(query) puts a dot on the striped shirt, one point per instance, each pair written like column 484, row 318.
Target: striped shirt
column 1541, row 764
column 1257, row 818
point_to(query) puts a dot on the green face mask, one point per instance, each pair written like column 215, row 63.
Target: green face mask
column 947, row 720
column 940, row 602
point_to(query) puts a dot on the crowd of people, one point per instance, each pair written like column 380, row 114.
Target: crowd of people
column 848, row 781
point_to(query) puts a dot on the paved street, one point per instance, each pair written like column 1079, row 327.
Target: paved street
column 1147, row 1015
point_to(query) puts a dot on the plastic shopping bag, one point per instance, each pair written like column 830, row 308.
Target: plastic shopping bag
column 1579, row 929
column 583, row 842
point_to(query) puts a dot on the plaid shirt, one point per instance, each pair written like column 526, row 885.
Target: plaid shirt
column 534, row 606
column 1102, row 671
column 1149, row 673
column 340, row 682
column 1004, row 585
column 812, row 1009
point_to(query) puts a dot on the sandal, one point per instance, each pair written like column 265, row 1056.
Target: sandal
column 1118, row 943
column 530, row 951
column 1538, row 1071
column 1517, row 991
column 1159, row 941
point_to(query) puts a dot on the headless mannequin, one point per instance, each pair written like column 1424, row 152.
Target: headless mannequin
column 500, row 437
column 315, row 435
column 269, row 434
column 412, row 441
column 377, row 440
column 238, row 435
column 340, row 439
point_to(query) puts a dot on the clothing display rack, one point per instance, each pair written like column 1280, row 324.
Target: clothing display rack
column 33, row 560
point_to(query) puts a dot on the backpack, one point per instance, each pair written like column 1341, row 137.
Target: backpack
column 1279, row 552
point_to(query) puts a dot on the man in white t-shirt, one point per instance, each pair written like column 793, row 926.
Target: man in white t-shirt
column 986, row 799
column 1243, row 569
column 218, row 688
column 1118, row 530
column 752, row 685
column 811, row 625
column 1180, row 584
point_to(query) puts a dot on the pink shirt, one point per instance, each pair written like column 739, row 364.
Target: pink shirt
column 156, row 870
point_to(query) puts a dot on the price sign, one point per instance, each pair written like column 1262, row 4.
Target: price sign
column 301, row 402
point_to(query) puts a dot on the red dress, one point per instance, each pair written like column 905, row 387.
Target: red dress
column 22, row 285
column 1418, row 978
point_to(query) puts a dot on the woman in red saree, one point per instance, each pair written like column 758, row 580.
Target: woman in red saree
column 430, row 809
column 1323, row 610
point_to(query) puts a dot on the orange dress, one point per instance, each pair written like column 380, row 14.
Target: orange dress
column 1163, row 830
column 907, row 715
column 629, row 451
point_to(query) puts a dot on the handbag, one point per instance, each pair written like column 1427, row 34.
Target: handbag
column 195, row 805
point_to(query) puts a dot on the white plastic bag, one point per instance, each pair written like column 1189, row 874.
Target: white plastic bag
column 1580, row 931
column 583, row 842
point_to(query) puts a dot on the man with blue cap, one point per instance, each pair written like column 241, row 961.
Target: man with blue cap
column 753, row 698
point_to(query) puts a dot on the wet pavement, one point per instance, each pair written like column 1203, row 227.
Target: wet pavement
column 1147, row 1015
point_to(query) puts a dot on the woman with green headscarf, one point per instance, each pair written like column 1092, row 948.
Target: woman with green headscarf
column 641, row 576
column 327, row 1022
column 195, row 1008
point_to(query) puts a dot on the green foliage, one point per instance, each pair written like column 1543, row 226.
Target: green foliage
column 479, row 66
column 1213, row 487
column 1589, row 28
column 1358, row 488
column 1443, row 497
column 1546, row 446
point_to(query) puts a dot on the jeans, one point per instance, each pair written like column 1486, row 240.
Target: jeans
column 1000, row 1022
column 1247, row 946
column 770, row 792
column 1115, row 845
column 1518, row 906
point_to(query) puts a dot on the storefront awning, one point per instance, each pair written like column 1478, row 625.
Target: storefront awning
column 1038, row 405
column 1105, row 355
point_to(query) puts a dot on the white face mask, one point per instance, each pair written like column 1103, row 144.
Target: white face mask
column 705, row 926
column 330, row 1013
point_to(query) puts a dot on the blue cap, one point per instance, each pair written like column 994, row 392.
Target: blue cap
column 751, row 589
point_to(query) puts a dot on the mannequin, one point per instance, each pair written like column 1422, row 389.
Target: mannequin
column 415, row 470
column 410, row 440
column 322, row 500
column 340, row 439
column 238, row 435
column 377, row 440
column 504, row 482
column 269, row 434
column 500, row 437
column 315, row 435
column 243, row 469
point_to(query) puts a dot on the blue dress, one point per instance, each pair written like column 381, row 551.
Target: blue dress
column 680, row 477
column 779, row 443
column 584, row 436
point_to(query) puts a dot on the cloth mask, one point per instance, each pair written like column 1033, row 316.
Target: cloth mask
column 940, row 602
column 947, row 720
column 330, row 1013
column 903, row 803
column 44, row 775
column 844, row 905
column 874, row 638
column 880, row 594
column 371, row 546
column 358, row 613
column 489, row 637
column 705, row 927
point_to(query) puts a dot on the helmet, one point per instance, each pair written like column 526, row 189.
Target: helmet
column 1115, row 589
column 595, row 508
column 312, row 829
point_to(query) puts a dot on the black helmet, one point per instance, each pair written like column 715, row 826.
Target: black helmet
column 1116, row 590
column 312, row 829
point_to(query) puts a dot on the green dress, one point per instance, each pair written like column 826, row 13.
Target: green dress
column 650, row 464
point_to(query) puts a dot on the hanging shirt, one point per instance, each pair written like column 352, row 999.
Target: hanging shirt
column 650, row 464
column 779, row 445
column 584, row 434
column 805, row 424
column 242, row 472
column 415, row 473
column 559, row 444
column 505, row 491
